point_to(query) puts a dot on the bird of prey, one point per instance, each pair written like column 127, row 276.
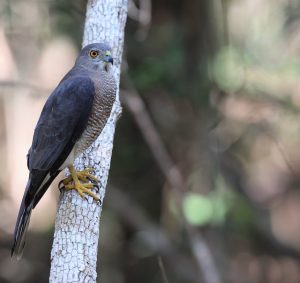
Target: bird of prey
column 72, row 118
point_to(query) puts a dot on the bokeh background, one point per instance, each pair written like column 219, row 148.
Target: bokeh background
column 205, row 174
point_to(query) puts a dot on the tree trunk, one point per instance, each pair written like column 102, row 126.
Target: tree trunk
column 75, row 245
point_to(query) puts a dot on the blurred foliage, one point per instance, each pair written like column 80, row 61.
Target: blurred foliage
column 65, row 16
column 220, row 81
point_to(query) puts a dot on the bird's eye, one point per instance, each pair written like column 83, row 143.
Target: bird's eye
column 94, row 53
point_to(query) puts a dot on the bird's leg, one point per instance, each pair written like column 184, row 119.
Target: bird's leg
column 76, row 177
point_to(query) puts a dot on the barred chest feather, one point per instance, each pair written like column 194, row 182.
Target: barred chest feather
column 105, row 95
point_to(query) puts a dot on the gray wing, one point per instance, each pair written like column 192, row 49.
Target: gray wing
column 61, row 123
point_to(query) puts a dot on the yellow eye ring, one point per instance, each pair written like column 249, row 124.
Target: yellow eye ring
column 94, row 53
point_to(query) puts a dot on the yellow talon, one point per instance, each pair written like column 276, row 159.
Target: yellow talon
column 81, row 188
column 83, row 175
column 86, row 174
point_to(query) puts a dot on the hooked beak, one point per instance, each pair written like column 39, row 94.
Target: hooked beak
column 109, row 59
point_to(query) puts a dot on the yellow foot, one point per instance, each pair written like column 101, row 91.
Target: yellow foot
column 84, row 176
column 82, row 188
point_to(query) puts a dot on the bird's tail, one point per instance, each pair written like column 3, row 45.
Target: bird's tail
column 21, row 227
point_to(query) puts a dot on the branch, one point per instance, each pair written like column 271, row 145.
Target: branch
column 199, row 247
column 155, row 238
column 142, row 15
column 163, row 270
column 75, row 244
column 13, row 84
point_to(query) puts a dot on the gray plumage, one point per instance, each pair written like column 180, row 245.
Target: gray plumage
column 72, row 118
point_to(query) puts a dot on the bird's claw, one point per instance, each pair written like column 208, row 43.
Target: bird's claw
column 96, row 187
column 84, row 176
column 82, row 189
column 79, row 181
column 61, row 185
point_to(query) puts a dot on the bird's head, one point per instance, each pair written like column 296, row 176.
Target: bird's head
column 95, row 56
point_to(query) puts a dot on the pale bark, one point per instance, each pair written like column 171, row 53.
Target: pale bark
column 77, row 226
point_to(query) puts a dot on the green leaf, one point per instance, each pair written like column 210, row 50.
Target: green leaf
column 227, row 69
column 197, row 209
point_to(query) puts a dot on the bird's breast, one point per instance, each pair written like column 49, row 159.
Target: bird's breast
column 105, row 95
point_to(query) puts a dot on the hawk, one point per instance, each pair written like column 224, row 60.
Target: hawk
column 72, row 118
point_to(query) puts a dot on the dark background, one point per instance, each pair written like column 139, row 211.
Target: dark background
column 204, row 179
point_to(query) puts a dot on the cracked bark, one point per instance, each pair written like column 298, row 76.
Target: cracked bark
column 77, row 227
